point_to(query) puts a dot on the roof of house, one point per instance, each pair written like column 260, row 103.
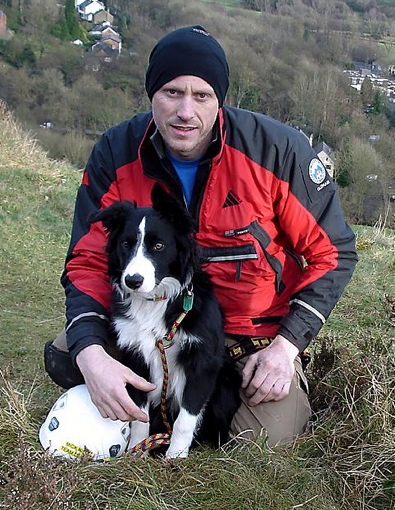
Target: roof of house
column 101, row 26
column 84, row 4
column 323, row 147
column 88, row 2
column 102, row 46
column 113, row 37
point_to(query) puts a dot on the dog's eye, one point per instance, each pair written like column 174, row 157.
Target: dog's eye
column 125, row 244
column 159, row 246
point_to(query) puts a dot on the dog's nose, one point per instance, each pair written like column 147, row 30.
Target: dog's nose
column 134, row 281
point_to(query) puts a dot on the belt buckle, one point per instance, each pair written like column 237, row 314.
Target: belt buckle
column 247, row 345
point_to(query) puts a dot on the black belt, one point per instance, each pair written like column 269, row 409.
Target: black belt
column 246, row 345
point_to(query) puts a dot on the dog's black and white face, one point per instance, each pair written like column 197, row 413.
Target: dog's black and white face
column 150, row 250
column 143, row 255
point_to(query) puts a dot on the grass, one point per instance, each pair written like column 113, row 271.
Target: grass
column 346, row 461
column 227, row 3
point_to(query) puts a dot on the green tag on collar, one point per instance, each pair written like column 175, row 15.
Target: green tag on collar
column 188, row 301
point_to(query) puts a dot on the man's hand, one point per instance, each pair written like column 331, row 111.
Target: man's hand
column 106, row 380
column 268, row 373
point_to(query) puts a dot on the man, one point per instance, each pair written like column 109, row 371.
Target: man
column 268, row 219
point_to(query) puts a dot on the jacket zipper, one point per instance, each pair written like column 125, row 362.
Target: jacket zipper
column 200, row 188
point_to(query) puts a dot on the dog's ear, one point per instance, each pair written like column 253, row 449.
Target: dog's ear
column 161, row 198
column 177, row 214
column 172, row 209
column 112, row 216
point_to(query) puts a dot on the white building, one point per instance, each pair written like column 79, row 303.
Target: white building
column 89, row 8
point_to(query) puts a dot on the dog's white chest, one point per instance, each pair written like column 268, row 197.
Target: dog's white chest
column 140, row 332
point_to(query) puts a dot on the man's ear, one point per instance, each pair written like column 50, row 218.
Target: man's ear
column 112, row 216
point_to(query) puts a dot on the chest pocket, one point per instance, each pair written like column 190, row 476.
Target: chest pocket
column 263, row 239
column 240, row 253
column 236, row 254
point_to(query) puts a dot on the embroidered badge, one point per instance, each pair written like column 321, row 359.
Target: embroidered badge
column 317, row 171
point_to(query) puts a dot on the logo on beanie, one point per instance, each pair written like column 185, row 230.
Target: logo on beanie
column 199, row 31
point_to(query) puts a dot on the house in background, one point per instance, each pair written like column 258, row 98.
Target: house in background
column 109, row 44
column 3, row 21
column 327, row 156
column 89, row 8
column 4, row 32
column 102, row 52
column 106, row 36
column 112, row 38
column 103, row 16
column 98, row 28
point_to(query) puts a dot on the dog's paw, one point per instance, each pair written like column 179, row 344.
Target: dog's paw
column 172, row 454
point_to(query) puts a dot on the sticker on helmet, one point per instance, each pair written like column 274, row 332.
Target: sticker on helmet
column 317, row 172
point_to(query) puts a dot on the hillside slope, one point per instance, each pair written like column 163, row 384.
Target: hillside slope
column 345, row 462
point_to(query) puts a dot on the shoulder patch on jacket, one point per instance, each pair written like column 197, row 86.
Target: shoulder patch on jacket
column 317, row 171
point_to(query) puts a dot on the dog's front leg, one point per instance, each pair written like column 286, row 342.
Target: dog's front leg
column 181, row 438
column 139, row 430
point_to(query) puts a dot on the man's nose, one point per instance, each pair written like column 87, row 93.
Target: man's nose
column 185, row 109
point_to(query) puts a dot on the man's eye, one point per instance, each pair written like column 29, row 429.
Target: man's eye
column 159, row 246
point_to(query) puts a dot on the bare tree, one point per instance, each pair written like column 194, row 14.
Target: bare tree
column 317, row 99
column 363, row 200
column 41, row 13
column 244, row 80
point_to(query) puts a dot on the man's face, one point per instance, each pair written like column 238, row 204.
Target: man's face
column 184, row 111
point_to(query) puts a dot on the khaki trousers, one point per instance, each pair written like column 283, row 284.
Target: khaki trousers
column 277, row 422
column 60, row 341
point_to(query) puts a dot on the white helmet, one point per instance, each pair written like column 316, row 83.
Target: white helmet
column 74, row 428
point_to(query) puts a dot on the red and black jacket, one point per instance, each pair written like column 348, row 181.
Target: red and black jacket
column 268, row 221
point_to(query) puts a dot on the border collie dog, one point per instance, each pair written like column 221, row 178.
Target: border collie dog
column 157, row 278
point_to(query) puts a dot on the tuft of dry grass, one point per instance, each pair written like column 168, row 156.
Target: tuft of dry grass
column 18, row 148
column 353, row 393
column 15, row 422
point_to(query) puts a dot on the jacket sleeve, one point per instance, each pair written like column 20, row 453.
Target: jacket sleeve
column 85, row 279
column 310, row 214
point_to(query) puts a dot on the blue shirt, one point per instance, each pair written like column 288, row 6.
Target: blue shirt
column 186, row 171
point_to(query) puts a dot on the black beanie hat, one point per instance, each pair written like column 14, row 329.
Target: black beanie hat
column 188, row 51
